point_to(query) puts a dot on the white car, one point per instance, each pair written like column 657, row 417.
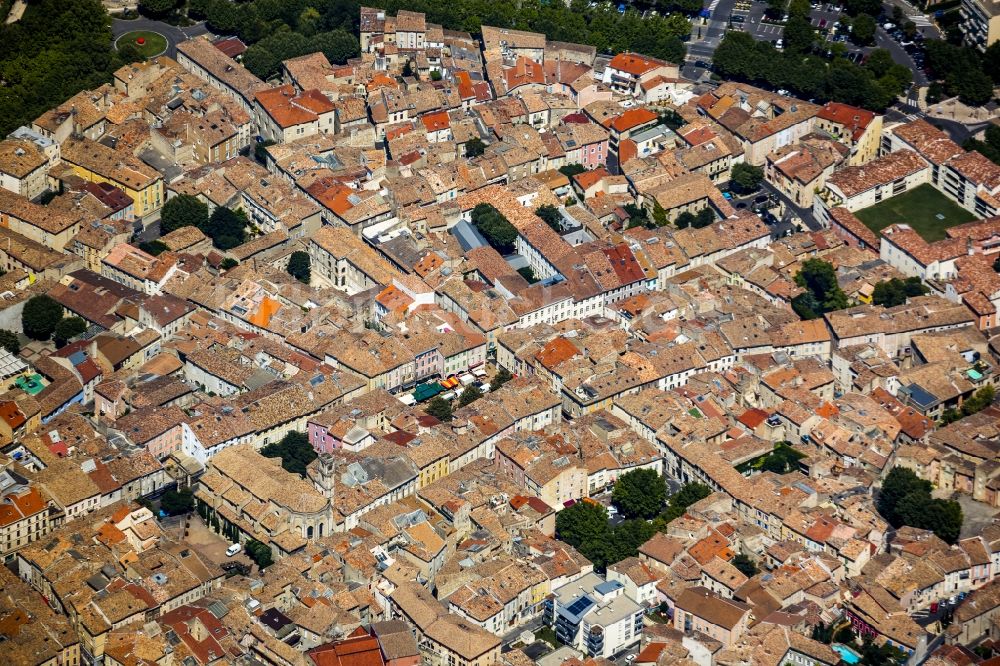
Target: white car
column 233, row 549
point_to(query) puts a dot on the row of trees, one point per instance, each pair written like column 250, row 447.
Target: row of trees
column 260, row 22
column 495, row 228
column 905, row 499
column 227, row 228
column 874, row 85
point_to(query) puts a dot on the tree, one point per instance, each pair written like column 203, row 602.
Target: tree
column 474, row 147
column 685, row 220
column 820, row 280
column 469, row 395
column 571, row 170
column 40, row 317
column 153, row 247
column 226, row 228
column 637, row 217
column 499, row 233
column 502, row 377
column 585, row 527
column 639, row 493
column 260, row 150
column 899, row 483
column 982, row 399
column 991, row 61
column 551, row 216
column 338, row 46
column 845, row 635
column 973, row 87
column 260, row 553
column 798, row 34
column 747, row 177
column 294, row 450
column 299, row 266
column 439, row 408
column 823, row 633
column 69, row 328
column 177, row 502
column 680, row 501
column 157, row 8
column 660, row 215
column 745, row 565
column 704, row 218
column 863, row 29
column 10, row 341
column 182, row 210
column 528, row 273
column 228, row 263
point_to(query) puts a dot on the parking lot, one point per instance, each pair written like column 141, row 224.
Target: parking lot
column 751, row 17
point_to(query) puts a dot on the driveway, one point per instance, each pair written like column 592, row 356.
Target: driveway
column 173, row 34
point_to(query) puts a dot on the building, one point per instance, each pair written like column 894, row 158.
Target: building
column 980, row 23
column 23, row 167
column 24, row 513
column 285, row 114
column 699, row 609
column 594, row 616
column 97, row 163
column 858, row 187
column 859, row 129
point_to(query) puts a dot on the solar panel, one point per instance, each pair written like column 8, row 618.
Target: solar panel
column 580, row 606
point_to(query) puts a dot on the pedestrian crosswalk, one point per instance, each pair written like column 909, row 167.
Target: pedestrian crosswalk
column 713, row 5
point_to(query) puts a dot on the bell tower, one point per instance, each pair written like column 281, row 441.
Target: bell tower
column 323, row 473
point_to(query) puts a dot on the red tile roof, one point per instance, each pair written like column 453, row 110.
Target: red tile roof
column 853, row 118
column 634, row 64
column 354, row 651
column 752, row 417
column 624, row 262
column 631, row 119
column 434, row 122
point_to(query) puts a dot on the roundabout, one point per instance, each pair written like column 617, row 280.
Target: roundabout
column 149, row 44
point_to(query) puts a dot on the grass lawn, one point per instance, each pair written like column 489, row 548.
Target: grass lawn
column 154, row 43
column 918, row 208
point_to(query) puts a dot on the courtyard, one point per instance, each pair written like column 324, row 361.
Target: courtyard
column 925, row 209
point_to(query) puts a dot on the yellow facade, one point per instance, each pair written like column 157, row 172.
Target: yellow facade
column 147, row 201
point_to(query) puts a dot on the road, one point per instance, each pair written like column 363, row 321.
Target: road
column 173, row 34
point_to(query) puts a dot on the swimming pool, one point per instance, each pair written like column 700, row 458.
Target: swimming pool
column 848, row 655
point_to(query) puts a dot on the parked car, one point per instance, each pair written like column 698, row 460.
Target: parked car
column 233, row 550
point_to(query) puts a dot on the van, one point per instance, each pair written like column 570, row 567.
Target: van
column 233, row 549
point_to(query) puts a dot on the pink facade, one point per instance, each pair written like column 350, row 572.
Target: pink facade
column 165, row 444
column 594, row 155
column 321, row 438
